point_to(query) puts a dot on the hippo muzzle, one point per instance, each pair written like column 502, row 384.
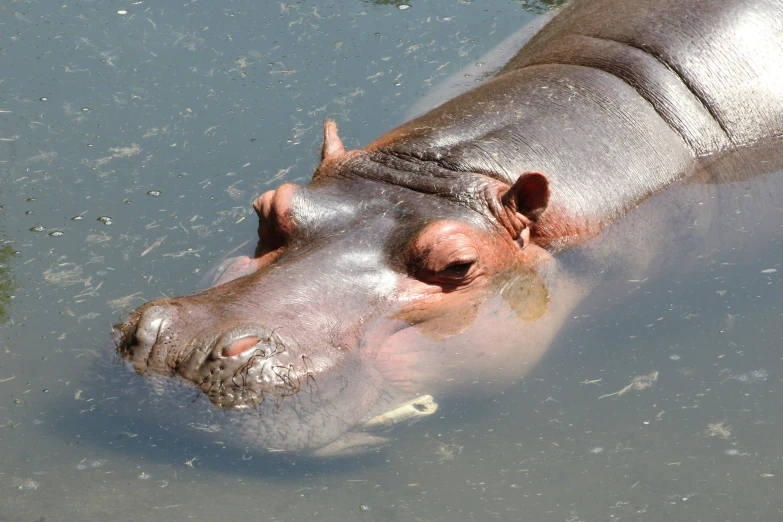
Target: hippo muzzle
column 235, row 368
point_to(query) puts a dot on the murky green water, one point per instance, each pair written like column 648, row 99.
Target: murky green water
column 134, row 137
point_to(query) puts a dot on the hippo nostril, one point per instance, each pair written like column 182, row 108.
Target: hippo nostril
column 142, row 338
column 149, row 325
column 240, row 346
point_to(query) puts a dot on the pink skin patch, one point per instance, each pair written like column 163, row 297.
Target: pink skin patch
column 240, row 346
column 274, row 217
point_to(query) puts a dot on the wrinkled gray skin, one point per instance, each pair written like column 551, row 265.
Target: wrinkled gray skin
column 340, row 316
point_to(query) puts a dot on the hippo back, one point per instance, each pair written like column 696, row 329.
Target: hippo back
column 635, row 92
column 713, row 69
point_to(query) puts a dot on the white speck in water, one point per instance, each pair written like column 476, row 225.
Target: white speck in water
column 26, row 484
column 144, row 476
column 733, row 452
column 674, row 357
column 597, row 450
column 769, row 271
column 403, row 7
column 122, row 11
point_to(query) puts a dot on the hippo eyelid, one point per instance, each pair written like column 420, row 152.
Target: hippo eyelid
column 459, row 266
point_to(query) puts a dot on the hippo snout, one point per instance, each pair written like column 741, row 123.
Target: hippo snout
column 235, row 366
column 145, row 331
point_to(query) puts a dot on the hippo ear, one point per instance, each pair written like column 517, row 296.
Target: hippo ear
column 333, row 146
column 529, row 196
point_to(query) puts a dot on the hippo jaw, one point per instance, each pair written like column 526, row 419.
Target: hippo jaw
column 273, row 396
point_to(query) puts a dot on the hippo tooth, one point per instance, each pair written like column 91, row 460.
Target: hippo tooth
column 411, row 411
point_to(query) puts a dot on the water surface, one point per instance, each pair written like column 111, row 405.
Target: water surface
column 134, row 137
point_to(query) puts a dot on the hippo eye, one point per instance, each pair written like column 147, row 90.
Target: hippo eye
column 458, row 270
column 446, row 253
column 456, row 273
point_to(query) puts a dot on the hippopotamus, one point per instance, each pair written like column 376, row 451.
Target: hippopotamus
column 430, row 263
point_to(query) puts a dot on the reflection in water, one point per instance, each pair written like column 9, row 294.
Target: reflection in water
column 532, row 6
column 6, row 280
column 7, row 160
column 540, row 6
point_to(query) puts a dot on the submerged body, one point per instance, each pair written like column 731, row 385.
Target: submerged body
column 426, row 262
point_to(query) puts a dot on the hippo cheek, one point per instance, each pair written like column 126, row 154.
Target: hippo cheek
column 496, row 348
column 441, row 317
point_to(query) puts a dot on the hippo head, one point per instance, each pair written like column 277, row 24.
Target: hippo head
column 377, row 283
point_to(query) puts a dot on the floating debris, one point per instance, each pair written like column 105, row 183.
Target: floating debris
column 752, row 376
column 90, row 464
column 638, row 383
column 448, row 451
column 718, row 429
column 153, row 246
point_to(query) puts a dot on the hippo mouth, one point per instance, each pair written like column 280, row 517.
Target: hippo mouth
column 324, row 400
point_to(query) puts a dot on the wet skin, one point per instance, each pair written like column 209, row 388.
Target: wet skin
column 425, row 262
